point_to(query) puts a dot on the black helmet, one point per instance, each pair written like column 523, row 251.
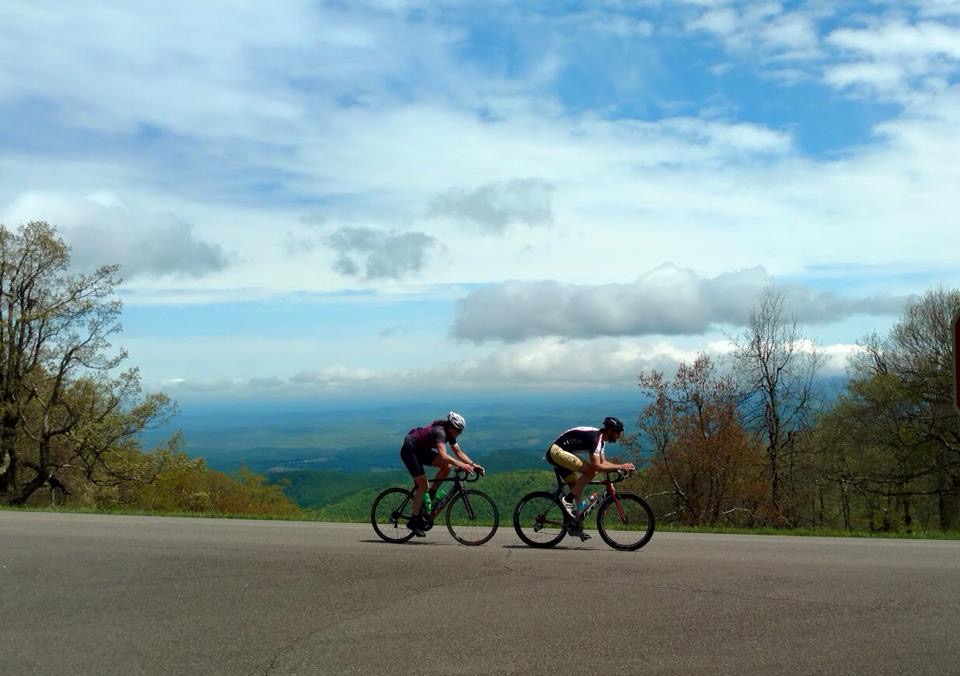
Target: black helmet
column 611, row 423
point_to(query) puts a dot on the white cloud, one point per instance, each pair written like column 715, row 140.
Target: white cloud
column 537, row 364
column 374, row 254
column 896, row 59
column 622, row 26
column 898, row 38
column 102, row 230
column 494, row 206
column 666, row 301
column 723, row 21
column 939, row 8
column 883, row 76
column 763, row 28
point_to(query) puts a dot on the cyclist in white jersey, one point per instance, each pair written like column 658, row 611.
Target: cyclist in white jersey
column 572, row 470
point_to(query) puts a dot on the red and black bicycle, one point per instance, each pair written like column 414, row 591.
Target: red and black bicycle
column 624, row 520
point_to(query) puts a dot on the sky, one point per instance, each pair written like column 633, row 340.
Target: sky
column 329, row 199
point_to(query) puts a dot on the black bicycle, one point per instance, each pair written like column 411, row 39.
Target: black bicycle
column 624, row 520
column 471, row 515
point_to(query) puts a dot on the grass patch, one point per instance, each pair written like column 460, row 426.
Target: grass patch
column 325, row 515
column 814, row 532
column 306, row 516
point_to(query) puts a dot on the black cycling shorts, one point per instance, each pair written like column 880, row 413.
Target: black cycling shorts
column 416, row 459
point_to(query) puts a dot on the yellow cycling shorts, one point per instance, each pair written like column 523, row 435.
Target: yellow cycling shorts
column 565, row 464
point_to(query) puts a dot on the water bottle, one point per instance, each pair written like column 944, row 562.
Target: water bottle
column 427, row 503
column 583, row 505
column 440, row 493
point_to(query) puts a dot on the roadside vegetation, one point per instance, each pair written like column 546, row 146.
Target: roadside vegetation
column 750, row 444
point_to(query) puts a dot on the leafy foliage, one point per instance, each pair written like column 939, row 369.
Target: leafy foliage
column 704, row 468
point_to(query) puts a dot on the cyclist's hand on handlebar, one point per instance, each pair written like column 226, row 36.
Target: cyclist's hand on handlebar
column 478, row 469
column 626, row 468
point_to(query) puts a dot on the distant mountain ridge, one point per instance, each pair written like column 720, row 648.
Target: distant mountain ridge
column 277, row 437
column 274, row 436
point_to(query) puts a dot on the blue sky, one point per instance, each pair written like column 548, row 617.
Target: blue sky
column 324, row 198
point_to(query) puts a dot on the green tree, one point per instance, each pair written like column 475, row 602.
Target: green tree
column 894, row 433
column 703, row 459
column 64, row 416
column 776, row 366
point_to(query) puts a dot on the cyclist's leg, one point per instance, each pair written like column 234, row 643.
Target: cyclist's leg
column 421, row 487
column 567, row 466
column 587, row 472
column 443, row 469
column 414, row 465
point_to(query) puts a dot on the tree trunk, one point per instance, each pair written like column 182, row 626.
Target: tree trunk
column 845, row 504
column 32, row 486
column 8, row 455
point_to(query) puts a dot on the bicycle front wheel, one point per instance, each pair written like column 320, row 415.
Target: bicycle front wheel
column 390, row 513
column 472, row 518
column 538, row 520
column 625, row 522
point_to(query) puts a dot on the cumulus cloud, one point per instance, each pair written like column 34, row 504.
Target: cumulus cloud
column 666, row 301
column 377, row 254
column 101, row 230
column 494, row 206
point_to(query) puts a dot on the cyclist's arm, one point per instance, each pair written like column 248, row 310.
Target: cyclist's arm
column 463, row 456
column 599, row 463
column 460, row 453
column 442, row 450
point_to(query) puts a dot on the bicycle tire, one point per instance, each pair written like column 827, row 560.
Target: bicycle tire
column 544, row 509
column 640, row 521
column 468, row 518
column 389, row 524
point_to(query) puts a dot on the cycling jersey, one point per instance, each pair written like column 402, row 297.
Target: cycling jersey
column 581, row 440
column 427, row 438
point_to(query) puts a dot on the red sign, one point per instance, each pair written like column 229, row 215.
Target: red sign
column 956, row 361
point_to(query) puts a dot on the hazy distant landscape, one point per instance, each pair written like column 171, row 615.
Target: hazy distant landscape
column 510, row 431
column 337, row 458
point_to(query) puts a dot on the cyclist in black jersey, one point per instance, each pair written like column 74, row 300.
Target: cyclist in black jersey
column 427, row 446
column 591, row 441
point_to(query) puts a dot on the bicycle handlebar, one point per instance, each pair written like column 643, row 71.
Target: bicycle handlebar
column 615, row 476
column 465, row 476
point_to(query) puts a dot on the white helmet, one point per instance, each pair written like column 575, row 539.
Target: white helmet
column 456, row 420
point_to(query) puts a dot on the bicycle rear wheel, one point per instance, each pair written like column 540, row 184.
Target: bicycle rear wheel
column 390, row 513
column 538, row 519
column 472, row 518
column 628, row 528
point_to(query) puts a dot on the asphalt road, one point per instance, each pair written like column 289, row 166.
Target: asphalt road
column 92, row 594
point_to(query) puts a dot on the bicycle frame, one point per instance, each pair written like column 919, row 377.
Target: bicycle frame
column 610, row 494
column 459, row 478
column 540, row 520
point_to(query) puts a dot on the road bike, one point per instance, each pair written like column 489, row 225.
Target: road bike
column 624, row 520
column 471, row 515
